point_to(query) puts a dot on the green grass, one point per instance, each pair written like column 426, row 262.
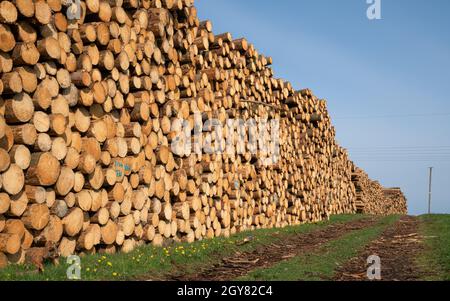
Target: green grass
column 322, row 263
column 157, row 262
column 436, row 258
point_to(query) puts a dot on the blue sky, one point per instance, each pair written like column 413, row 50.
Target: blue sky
column 387, row 82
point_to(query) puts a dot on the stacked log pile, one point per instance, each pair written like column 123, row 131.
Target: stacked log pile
column 395, row 201
column 90, row 109
column 372, row 198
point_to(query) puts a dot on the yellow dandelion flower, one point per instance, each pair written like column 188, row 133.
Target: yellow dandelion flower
column 88, row 269
column 114, row 274
column 109, row 263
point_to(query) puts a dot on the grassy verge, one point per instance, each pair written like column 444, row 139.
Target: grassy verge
column 157, row 262
column 436, row 258
column 321, row 264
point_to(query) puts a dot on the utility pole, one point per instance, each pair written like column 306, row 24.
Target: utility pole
column 429, row 191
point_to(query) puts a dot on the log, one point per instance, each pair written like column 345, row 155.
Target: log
column 12, row 83
column 44, row 170
column 18, row 204
column 59, row 208
column 43, row 143
column 42, row 97
column 101, row 217
column 36, row 194
column 27, row 240
column 19, row 109
column 25, row 7
column 2, row 126
column 5, row 160
column 28, row 78
column 19, row 155
column 5, row 201
column 36, row 216
column 3, row 260
column 86, row 240
column 109, row 232
column 13, row 179
column 2, row 223
column 42, row 12
column 65, row 182
column 9, row 243
column 53, row 232
column 126, row 224
column 84, row 200
column 7, row 41
column 73, row 222
column 67, row 247
column 59, row 148
column 24, row 134
column 49, row 48
column 7, row 141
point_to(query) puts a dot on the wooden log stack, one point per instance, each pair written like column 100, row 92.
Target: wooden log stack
column 90, row 109
column 395, row 201
column 372, row 198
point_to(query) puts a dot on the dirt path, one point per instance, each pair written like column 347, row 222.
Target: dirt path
column 264, row 256
column 397, row 248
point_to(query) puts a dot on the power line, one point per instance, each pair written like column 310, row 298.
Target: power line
column 399, row 147
column 397, row 155
column 400, row 160
column 412, row 152
column 439, row 154
column 393, row 116
column 400, row 157
column 400, row 150
column 400, row 154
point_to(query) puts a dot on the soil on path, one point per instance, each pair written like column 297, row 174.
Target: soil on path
column 264, row 256
column 398, row 248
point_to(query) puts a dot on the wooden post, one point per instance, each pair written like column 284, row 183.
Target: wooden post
column 429, row 189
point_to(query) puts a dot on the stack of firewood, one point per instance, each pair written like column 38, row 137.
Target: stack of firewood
column 372, row 198
column 90, row 111
column 395, row 201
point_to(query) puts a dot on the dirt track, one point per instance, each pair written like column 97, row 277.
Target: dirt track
column 242, row 263
column 397, row 248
